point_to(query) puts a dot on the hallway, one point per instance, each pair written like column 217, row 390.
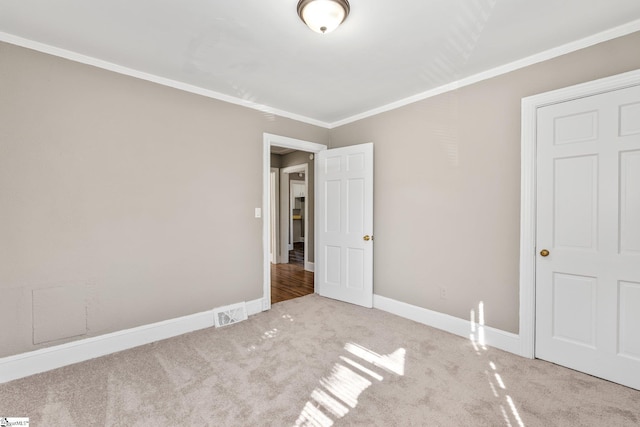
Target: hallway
column 290, row 281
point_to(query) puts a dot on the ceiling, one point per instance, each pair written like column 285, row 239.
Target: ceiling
column 280, row 150
column 259, row 53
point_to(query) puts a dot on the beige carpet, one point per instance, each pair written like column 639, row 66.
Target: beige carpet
column 315, row 361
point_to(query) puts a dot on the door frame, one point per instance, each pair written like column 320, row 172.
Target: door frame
column 528, row 206
column 286, row 142
column 274, row 212
column 283, row 202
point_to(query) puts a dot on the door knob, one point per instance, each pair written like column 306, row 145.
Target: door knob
column 367, row 238
column 544, row 252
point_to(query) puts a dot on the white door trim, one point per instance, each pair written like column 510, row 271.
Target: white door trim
column 274, row 197
column 279, row 141
column 285, row 246
column 530, row 106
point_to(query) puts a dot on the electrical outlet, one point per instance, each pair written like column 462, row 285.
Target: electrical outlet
column 443, row 293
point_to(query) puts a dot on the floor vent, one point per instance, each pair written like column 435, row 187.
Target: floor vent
column 230, row 314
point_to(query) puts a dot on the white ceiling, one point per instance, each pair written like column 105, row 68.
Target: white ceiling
column 259, row 52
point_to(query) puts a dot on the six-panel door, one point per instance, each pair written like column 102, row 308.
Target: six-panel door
column 588, row 218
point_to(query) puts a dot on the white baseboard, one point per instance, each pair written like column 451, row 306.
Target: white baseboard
column 25, row 364
column 310, row 266
column 254, row 307
column 481, row 335
column 33, row 362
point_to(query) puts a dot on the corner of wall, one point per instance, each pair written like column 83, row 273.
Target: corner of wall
column 479, row 335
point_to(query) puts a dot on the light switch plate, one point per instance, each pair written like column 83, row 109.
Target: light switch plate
column 258, row 213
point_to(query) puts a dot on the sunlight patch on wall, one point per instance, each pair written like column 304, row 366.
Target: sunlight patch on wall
column 477, row 335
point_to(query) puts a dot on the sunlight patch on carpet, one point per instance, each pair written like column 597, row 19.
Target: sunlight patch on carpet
column 345, row 384
column 287, row 317
column 270, row 334
column 393, row 362
column 339, row 391
column 515, row 411
column 313, row 416
column 495, row 380
column 337, row 409
column 358, row 366
column 505, row 416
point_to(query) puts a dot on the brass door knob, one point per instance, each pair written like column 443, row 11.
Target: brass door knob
column 544, row 252
column 367, row 238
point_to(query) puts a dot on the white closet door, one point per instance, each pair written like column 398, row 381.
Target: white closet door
column 588, row 219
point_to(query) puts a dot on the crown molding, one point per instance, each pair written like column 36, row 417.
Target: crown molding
column 601, row 37
column 110, row 66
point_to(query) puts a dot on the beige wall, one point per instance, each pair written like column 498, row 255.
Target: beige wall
column 447, row 186
column 276, row 160
column 116, row 207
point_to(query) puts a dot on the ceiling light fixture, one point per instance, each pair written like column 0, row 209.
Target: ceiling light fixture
column 323, row 16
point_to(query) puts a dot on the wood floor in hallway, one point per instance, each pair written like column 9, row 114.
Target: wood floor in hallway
column 290, row 281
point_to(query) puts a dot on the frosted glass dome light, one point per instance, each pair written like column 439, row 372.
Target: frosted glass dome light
column 323, row 16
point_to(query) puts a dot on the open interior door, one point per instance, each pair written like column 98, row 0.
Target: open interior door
column 344, row 224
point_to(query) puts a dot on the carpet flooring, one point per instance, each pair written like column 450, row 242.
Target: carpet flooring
column 313, row 361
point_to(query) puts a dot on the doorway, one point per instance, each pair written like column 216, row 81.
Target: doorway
column 292, row 271
column 291, row 279
column 296, row 203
